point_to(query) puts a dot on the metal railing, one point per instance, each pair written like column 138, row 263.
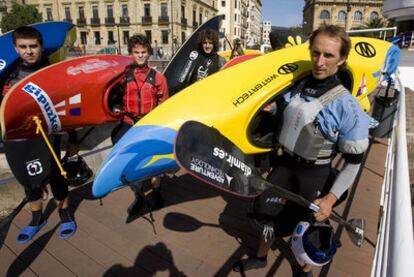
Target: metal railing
column 394, row 253
column 384, row 30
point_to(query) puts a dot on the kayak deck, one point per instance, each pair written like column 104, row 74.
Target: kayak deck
column 200, row 232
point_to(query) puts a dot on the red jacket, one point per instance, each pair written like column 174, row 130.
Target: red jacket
column 144, row 89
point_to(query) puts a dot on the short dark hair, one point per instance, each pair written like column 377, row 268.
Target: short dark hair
column 27, row 32
column 333, row 31
column 210, row 35
column 139, row 40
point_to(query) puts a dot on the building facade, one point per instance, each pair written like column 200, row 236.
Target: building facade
column 234, row 25
column 266, row 29
column 254, row 24
column 346, row 13
column 103, row 23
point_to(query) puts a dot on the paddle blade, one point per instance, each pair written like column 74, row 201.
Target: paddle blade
column 356, row 230
column 206, row 154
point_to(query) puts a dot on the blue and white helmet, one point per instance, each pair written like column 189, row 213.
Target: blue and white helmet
column 313, row 244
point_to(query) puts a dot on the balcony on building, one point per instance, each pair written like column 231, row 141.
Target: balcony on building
column 95, row 21
column 124, row 20
column 68, row 20
column 110, row 21
column 184, row 21
column 163, row 20
column 81, row 22
column 146, row 20
column 195, row 24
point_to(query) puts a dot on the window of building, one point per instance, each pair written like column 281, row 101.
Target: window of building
column 374, row 15
column 148, row 34
column 341, row 16
column 67, row 13
column 110, row 11
column 147, row 9
column 358, row 16
column 111, row 39
column 84, row 38
column 235, row 17
column 124, row 10
column 200, row 18
column 97, row 35
column 49, row 14
column 194, row 16
column 183, row 37
column 223, row 3
column 324, row 15
column 125, row 36
column 235, row 4
column 164, row 9
column 81, row 12
column 164, row 36
column 95, row 12
column 182, row 11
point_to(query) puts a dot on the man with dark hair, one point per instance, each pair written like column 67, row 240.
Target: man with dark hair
column 28, row 43
column 318, row 118
column 207, row 61
column 143, row 90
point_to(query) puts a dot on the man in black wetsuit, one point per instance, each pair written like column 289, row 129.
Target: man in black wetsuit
column 319, row 118
column 30, row 159
column 206, row 59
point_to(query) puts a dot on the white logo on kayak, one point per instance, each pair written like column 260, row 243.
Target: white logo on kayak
column 46, row 106
column 34, row 167
column 2, row 64
column 193, row 55
column 90, row 66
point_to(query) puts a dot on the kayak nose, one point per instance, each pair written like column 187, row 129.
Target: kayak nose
column 144, row 151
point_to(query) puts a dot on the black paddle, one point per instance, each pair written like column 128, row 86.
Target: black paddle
column 208, row 155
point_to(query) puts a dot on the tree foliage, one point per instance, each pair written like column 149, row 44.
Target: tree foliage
column 20, row 15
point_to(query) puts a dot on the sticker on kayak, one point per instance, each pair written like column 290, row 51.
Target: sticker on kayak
column 287, row 68
column 70, row 106
column 46, row 106
column 365, row 49
column 2, row 64
column 193, row 55
column 90, row 66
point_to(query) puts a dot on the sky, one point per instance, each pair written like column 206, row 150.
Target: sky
column 287, row 13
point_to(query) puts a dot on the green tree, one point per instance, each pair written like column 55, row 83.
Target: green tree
column 376, row 22
column 373, row 23
column 19, row 15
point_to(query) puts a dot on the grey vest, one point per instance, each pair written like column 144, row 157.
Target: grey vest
column 299, row 135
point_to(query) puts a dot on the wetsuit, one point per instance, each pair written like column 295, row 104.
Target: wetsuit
column 205, row 65
column 30, row 159
column 305, row 167
column 144, row 89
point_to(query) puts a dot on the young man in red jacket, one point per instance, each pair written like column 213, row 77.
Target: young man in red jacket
column 143, row 90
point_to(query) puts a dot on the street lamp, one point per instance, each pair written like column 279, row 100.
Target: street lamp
column 172, row 30
column 348, row 10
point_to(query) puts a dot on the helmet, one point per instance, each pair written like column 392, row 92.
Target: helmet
column 77, row 171
column 313, row 244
